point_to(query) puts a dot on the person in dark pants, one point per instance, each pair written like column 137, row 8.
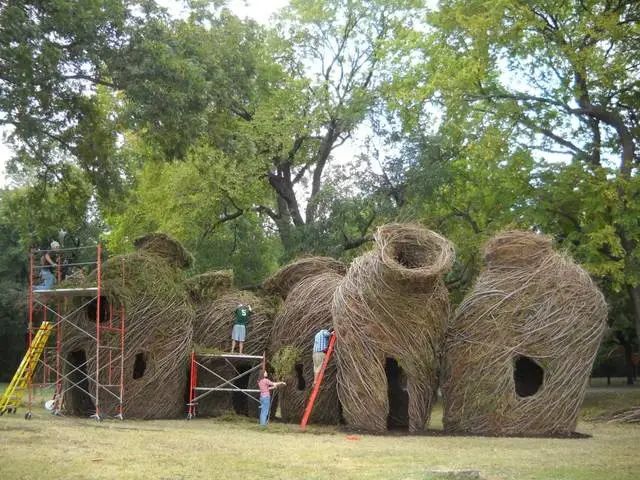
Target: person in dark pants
column 265, row 385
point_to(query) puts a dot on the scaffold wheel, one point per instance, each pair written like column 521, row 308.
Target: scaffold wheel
column 189, row 416
column 27, row 416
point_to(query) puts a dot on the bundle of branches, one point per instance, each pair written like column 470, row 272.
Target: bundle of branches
column 209, row 285
column 281, row 282
column 212, row 332
column 390, row 314
column 165, row 246
column 522, row 344
column 306, row 310
column 159, row 327
column 628, row 416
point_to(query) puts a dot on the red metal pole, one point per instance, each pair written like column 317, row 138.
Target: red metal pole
column 122, row 319
column 316, row 387
column 192, row 384
column 99, row 279
column 110, row 343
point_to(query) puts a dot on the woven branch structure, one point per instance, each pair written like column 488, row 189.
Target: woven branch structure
column 212, row 333
column 166, row 247
column 281, row 282
column 306, row 310
column 522, row 343
column 159, row 318
column 627, row 416
column 390, row 314
column 209, row 285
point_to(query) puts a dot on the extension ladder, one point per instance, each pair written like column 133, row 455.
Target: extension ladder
column 316, row 387
column 12, row 396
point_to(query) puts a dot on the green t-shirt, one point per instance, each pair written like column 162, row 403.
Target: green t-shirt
column 242, row 315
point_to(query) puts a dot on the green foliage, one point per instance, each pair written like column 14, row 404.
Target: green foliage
column 192, row 201
column 549, row 82
column 223, row 133
column 284, row 361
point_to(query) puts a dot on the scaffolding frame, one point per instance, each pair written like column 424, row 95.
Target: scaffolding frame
column 228, row 384
column 108, row 376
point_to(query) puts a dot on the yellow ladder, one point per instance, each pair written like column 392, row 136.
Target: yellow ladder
column 14, row 393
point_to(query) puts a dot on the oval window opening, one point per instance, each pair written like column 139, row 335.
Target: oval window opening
column 528, row 376
column 139, row 365
column 301, row 384
column 105, row 310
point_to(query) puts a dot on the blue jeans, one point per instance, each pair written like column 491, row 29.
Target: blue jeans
column 48, row 280
column 265, row 404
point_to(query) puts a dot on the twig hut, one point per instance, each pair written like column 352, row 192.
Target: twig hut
column 522, row 343
column 158, row 325
column 212, row 333
column 281, row 282
column 390, row 314
column 306, row 310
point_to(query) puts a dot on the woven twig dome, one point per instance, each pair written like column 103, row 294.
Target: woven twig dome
column 390, row 314
column 159, row 326
column 306, row 310
column 522, row 343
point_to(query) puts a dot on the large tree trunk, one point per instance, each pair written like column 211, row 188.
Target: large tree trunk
column 634, row 293
column 628, row 361
column 286, row 228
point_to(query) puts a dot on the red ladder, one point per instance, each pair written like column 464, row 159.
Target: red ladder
column 316, row 387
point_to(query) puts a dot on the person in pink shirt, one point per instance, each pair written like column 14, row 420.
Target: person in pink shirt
column 265, row 385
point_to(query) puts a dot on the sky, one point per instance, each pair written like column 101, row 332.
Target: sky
column 259, row 10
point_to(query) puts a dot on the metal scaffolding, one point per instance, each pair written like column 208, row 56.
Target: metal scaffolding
column 107, row 378
column 198, row 392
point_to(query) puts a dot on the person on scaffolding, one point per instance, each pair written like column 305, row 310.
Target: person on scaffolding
column 320, row 346
column 265, row 385
column 239, row 331
column 47, row 268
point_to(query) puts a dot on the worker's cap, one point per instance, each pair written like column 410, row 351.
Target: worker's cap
column 55, row 245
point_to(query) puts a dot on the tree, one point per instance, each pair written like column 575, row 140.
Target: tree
column 558, row 78
column 191, row 200
column 13, row 275
column 329, row 56
column 53, row 58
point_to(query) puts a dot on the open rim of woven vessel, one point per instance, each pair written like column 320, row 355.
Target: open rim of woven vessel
column 414, row 251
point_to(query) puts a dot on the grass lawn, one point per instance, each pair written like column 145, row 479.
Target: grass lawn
column 236, row 448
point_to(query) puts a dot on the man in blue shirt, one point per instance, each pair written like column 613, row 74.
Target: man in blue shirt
column 320, row 346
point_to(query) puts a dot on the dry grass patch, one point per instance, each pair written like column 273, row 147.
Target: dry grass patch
column 78, row 448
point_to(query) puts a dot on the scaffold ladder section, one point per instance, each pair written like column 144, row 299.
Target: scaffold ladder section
column 13, row 395
column 316, row 387
column 198, row 392
column 105, row 381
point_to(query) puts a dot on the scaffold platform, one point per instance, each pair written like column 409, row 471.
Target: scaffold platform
column 198, row 392
column 68, row 292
